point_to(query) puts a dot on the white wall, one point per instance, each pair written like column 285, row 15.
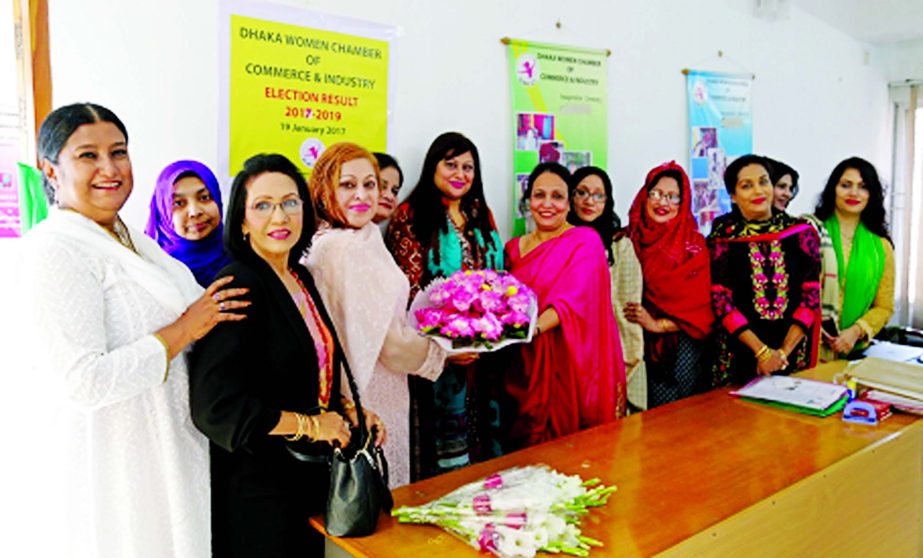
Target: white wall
column 905, row 60
column 819, row 95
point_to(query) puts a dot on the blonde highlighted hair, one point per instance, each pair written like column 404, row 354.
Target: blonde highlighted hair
column 325, row 178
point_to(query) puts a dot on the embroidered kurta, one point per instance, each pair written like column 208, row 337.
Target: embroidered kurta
column 765, row 282
column 366, row 295
column 128, row 471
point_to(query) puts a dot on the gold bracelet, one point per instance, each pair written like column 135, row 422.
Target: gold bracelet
column 664, row 324
column 316, row 423
column 764, row 354
column 348, row 405
column 299, row 429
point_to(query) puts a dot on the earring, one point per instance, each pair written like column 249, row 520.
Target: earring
column 246, row 237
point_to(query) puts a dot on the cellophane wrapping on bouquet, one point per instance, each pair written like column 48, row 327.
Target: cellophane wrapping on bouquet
column 475, row 311
column 517, row 512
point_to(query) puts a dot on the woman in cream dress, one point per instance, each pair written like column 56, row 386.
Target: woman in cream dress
column 366, row 294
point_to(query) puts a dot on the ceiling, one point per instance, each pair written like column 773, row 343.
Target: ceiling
column 871, row 21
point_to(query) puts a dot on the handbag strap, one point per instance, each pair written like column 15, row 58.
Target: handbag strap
column 357, row 401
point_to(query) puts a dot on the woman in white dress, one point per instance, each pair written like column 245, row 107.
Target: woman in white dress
column 366, row 294
column 127, row 470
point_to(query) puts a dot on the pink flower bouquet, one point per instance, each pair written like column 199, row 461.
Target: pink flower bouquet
column 475, row 311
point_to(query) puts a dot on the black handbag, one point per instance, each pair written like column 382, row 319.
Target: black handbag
column 358, row 480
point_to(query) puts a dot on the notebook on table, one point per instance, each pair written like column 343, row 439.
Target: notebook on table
column 802, row 395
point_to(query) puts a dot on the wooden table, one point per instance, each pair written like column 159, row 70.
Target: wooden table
column 713, row 475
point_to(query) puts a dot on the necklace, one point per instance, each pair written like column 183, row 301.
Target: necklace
column 120, row 232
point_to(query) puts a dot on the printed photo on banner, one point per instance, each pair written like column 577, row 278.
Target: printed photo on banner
column 522, row 181
column 533, row 128
column 521, row 207
column 703, row 138
column 9, row 206
column 574, row 160
column 550, row 151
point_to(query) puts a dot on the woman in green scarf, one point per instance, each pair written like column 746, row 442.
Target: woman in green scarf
column 852, row 210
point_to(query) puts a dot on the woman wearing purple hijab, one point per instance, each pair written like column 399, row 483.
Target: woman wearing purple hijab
column 185, row 218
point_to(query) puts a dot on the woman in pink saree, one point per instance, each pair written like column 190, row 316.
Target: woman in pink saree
column 573, row 373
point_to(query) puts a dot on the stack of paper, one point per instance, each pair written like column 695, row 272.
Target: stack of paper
column 898, row 353
column 797, row 394
column 898, row 378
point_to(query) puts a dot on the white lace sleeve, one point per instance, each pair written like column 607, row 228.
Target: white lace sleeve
column 405, row 350
column 72, row 306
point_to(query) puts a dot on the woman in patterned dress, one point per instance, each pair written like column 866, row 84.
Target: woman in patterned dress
column 443, row 227
column 765, row 281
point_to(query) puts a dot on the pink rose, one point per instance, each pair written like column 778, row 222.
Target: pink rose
column 457, row 325
column 519, row 302
column 488, row 326
column 515, row 319
column 490, row 301
column 442, row 293
column 429, row 318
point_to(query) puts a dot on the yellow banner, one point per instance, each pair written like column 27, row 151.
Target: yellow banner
column 296, row 90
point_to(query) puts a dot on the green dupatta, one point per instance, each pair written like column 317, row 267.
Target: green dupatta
column 859, row 281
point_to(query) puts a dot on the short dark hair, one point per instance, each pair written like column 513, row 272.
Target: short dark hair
column 385, row 161
column 234, row 242
column 61, row 124
column 873, row 216
column 542, row 168
column 733, row 169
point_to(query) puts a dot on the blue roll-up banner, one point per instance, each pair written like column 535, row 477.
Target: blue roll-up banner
column 720, row 130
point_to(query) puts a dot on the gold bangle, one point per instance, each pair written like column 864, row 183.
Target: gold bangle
column 348, row 405
column 664, row 324
column 299, row 429
column 764, row 354
column 316, row 424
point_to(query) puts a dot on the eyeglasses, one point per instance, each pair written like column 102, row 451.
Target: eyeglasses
column 291, row 206
column 595, row 197
column 658, row 196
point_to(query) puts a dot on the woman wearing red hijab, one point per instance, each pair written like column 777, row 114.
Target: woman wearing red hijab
column 675, row 310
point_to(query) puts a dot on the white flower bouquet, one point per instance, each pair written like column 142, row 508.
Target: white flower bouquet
column 517, row 512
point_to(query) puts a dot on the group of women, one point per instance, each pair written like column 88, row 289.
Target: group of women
column 223, row 376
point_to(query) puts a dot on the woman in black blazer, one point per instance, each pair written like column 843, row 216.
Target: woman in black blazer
column 266, row 390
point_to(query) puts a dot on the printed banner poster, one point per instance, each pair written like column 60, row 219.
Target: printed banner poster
column 720, row 130
column 559, row 112
column 9, row 173
column 295, row 89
